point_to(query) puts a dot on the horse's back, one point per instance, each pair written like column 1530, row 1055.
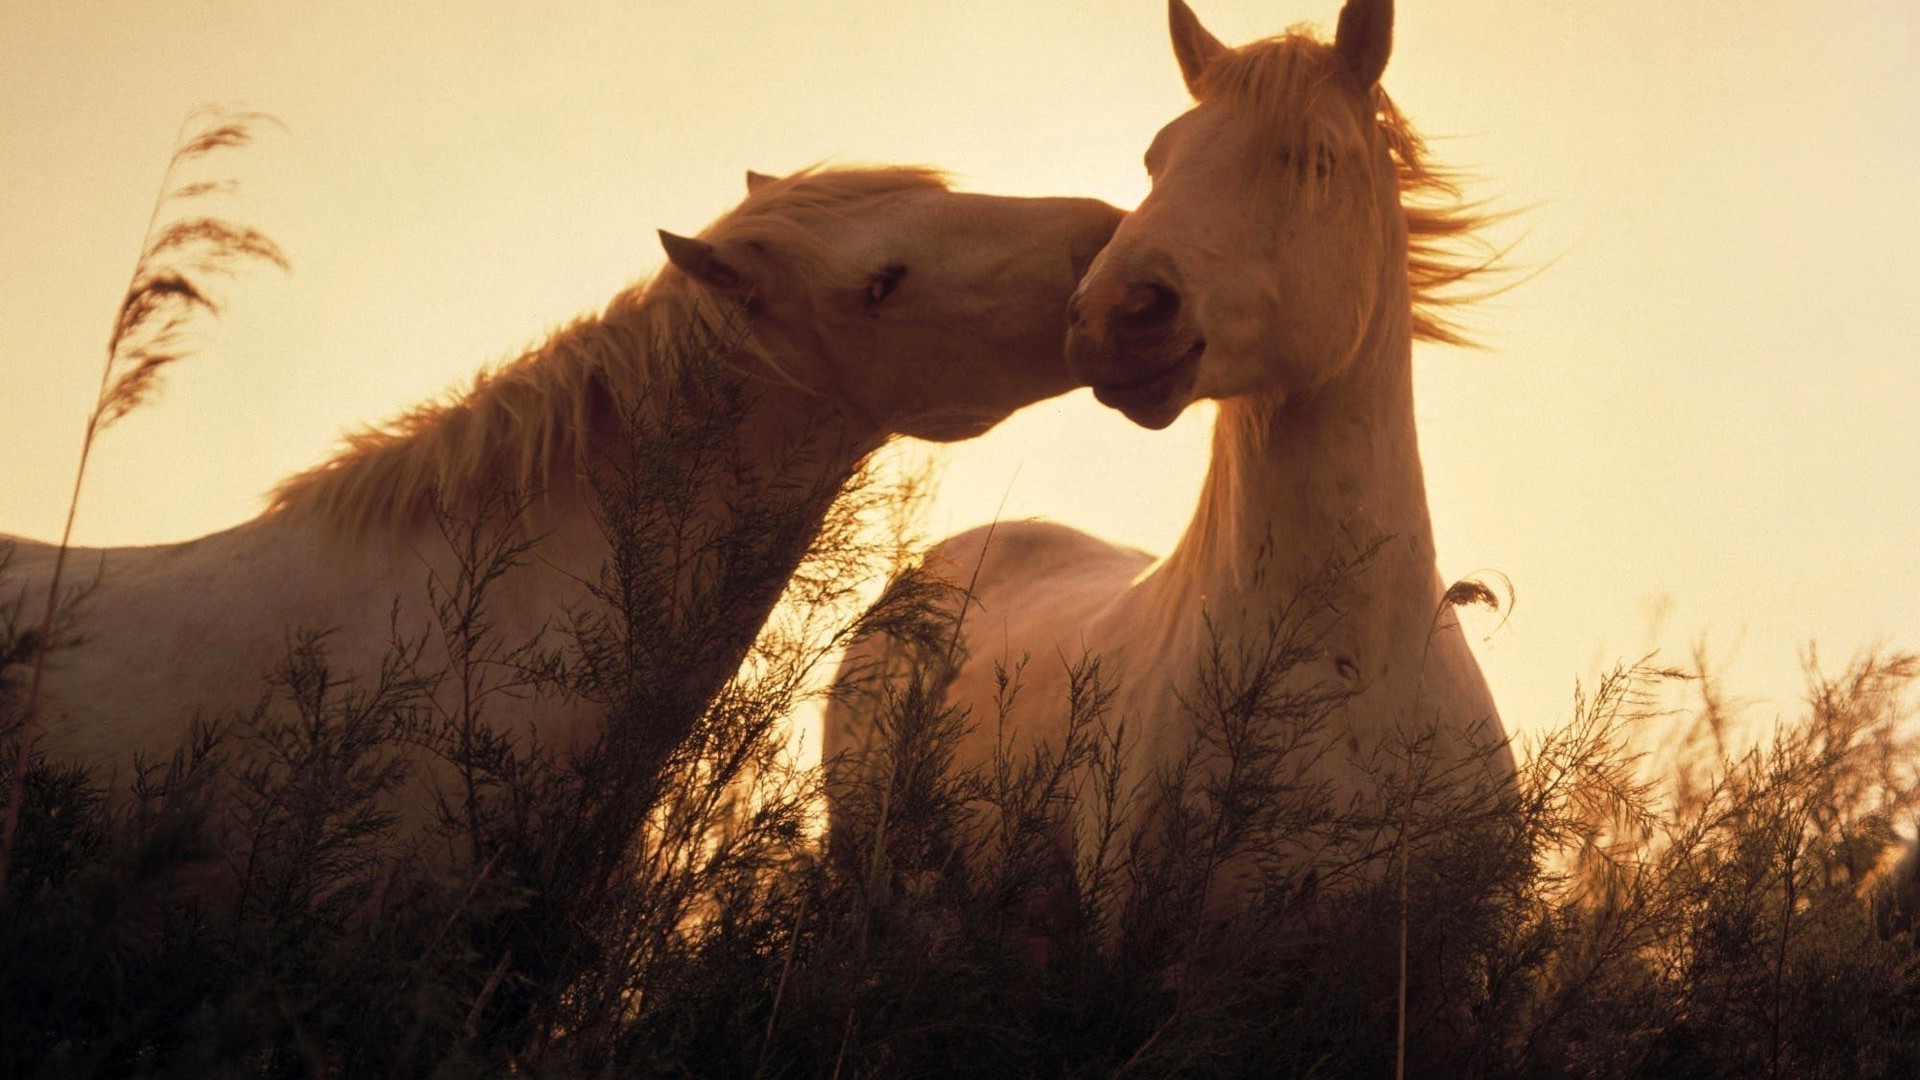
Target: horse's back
column 23, row 563
column 1032, row 562
column 1020, row 594
column 158, row 637
column 149, row 637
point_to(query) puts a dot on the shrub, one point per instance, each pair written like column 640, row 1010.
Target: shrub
column 668, row 902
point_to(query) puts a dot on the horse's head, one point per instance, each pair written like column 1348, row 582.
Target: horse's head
column 928, row 312
column 1257, row 261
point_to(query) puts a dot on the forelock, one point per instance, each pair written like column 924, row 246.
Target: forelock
column 1289, row 89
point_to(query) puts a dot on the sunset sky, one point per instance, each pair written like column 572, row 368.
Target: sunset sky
column 1698, row 421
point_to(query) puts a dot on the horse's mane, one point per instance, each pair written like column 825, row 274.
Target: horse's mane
column 530, row 423
column 1279, row 80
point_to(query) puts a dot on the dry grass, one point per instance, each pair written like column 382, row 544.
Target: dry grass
column 666, row 906
column 167, row 293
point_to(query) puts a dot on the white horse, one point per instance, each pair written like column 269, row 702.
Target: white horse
column 1283, row 263
column 850, row 305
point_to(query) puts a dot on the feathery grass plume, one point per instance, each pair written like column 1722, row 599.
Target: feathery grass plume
column 169, row 287
column 168, row 290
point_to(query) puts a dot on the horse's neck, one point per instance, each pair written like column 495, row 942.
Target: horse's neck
column 696, row 450
column 1321, row 492
column 704, row 488
column 725, row 492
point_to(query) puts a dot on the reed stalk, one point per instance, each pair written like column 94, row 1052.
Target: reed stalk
column 166, row 293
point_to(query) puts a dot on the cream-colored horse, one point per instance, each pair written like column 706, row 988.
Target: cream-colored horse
column 852, row 305
column 1282, row 265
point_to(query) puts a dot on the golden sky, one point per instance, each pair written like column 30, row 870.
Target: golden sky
column 1701, row 418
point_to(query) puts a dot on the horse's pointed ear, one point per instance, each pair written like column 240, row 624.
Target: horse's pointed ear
column 1192, row 45
column 703, row 263
column 1365, row 38
column 758, row 180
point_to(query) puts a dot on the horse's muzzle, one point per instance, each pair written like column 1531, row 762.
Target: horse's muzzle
column 1135, row 344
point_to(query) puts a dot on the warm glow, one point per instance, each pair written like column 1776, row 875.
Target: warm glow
column 1698, row 418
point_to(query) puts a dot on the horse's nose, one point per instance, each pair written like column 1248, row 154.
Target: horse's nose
column 1123, row 308
column 1147, row 306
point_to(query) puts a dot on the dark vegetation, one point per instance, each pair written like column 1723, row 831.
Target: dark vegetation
column 667, row 903
column 664, row 906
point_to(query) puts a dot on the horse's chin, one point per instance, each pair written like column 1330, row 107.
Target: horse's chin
column 1155, row 400
column 1155, row 417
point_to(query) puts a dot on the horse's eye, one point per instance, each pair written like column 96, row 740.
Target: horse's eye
column 882, row 284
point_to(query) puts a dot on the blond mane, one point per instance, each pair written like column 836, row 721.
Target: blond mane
column 531, row 423
column 1280, row 81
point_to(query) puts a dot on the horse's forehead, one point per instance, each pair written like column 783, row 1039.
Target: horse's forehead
column 1208, row 154
column 1207, row 128
column 848, row 213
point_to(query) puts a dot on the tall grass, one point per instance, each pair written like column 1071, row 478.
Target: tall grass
column 170, row 288
column 673, row 907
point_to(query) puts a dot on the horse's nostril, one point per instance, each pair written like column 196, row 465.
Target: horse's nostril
column 1150, row 304
column 1073, row 310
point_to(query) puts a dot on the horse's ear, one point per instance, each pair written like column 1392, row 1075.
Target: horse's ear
column 1192, row 45
column 758, row 180
column 703, row 263
column 1365, row 38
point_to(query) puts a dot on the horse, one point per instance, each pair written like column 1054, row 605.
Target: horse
column 830, row 311
column 1293, row 245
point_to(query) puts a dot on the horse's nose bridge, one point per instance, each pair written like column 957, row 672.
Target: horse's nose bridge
column 1042, row 228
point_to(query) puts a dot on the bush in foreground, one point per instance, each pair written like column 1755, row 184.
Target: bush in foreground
column 652, row 907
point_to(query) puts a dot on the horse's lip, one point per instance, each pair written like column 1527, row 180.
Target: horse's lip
column 1147, row 389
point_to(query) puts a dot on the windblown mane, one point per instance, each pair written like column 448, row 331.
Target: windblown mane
column 1280, row 80
column 526, row 423
column 531, row 423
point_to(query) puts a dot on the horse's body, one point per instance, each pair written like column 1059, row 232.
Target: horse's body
column 1270, row 269
column 847, row 306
